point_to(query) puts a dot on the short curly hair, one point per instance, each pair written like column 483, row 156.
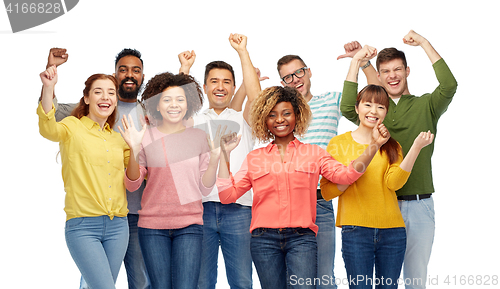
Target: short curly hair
column 267, row 100
column 162, row 81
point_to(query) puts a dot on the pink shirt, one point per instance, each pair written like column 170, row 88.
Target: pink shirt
column 174, row 165
column 284, row 192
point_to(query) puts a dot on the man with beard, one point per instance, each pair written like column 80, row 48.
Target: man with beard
column 128, row 72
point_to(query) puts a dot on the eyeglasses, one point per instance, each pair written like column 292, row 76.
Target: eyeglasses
column 299, row 74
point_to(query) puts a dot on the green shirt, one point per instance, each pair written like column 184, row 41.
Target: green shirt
column 407, row 119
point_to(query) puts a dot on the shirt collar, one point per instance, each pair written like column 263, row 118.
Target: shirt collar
column 88, row 123
column 211, row 111
column 295, row 142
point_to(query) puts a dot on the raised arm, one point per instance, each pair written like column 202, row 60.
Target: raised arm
column 415, row 39
column 349, row 93
column 422, row 140
column 250, row 78
column 186, row 59
column 49, row 80
column 47, row 124
column 58, row 56
column 351, row 49
column 133, row 138
column 241, row 93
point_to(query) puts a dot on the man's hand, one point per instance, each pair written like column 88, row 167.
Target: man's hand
column 414, row 39
column 57, row 56
column 238, row 42
column 366, row 53
column 261, row 78
column 351, row 49
column 186, row 59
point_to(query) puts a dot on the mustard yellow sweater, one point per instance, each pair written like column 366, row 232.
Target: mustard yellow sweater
column 371, row 201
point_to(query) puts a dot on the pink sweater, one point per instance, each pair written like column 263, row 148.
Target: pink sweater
column 174, row 166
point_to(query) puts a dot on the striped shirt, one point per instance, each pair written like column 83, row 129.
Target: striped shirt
column 326, row 114
column 325, row 110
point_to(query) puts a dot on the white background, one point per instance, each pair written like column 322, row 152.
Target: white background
column 465, row 162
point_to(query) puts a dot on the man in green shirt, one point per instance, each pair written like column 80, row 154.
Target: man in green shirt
column 408, row 115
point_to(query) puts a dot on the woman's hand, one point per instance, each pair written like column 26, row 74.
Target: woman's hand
column 228, row 143
column 423, row 139
column 215, row 143
column 380, row 134
column 49, row 76
column 131, row 135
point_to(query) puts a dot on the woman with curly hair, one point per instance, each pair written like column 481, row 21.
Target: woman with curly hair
column 284, row 177
column 175, row 159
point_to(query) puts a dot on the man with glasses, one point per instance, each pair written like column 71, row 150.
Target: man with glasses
column 325, row 110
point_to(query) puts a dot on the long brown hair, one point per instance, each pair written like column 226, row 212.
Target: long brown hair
column 82, row 109
column 377, row 94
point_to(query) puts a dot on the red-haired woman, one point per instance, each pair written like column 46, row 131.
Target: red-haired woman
column 93, row 157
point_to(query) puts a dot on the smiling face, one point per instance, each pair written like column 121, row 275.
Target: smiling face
column 393, row 77
column 370, row 113
column 219, row 88
column 172, row 105
column 372, row 104
column 281, row 122
column 303, row 84
column 130, row 77
column 101, row 100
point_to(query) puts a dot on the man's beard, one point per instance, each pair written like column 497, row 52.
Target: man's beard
column 129, row 94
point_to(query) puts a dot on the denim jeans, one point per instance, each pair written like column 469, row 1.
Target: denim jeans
column 285, row 258
column 420, row 226
column 172, row 256
column 325, row 220
column 137, row 276
column 363, row 248
column 98, row 245
column 227, row 226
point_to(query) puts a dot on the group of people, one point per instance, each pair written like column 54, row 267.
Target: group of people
column 165, row 191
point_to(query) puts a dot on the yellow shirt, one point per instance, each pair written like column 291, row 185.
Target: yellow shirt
column 370, row 201
column 93, row 164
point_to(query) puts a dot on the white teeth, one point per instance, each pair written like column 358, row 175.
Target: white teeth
column 281, row 127
column 371, row 118
column 300, row 85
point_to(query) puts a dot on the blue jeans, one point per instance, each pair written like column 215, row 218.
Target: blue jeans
column 137, row 276
column 172, row 256
column 98, row 245
column 363, row 248
column 227, row 226
column 285, row 257
column 325, row 220
column 420, row 226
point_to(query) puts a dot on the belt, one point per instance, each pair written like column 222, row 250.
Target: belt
column 319, row 195
column 414, row 197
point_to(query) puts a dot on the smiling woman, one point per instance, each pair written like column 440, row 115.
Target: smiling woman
column 286, row 172
column 175, row 160
column 93, row 160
